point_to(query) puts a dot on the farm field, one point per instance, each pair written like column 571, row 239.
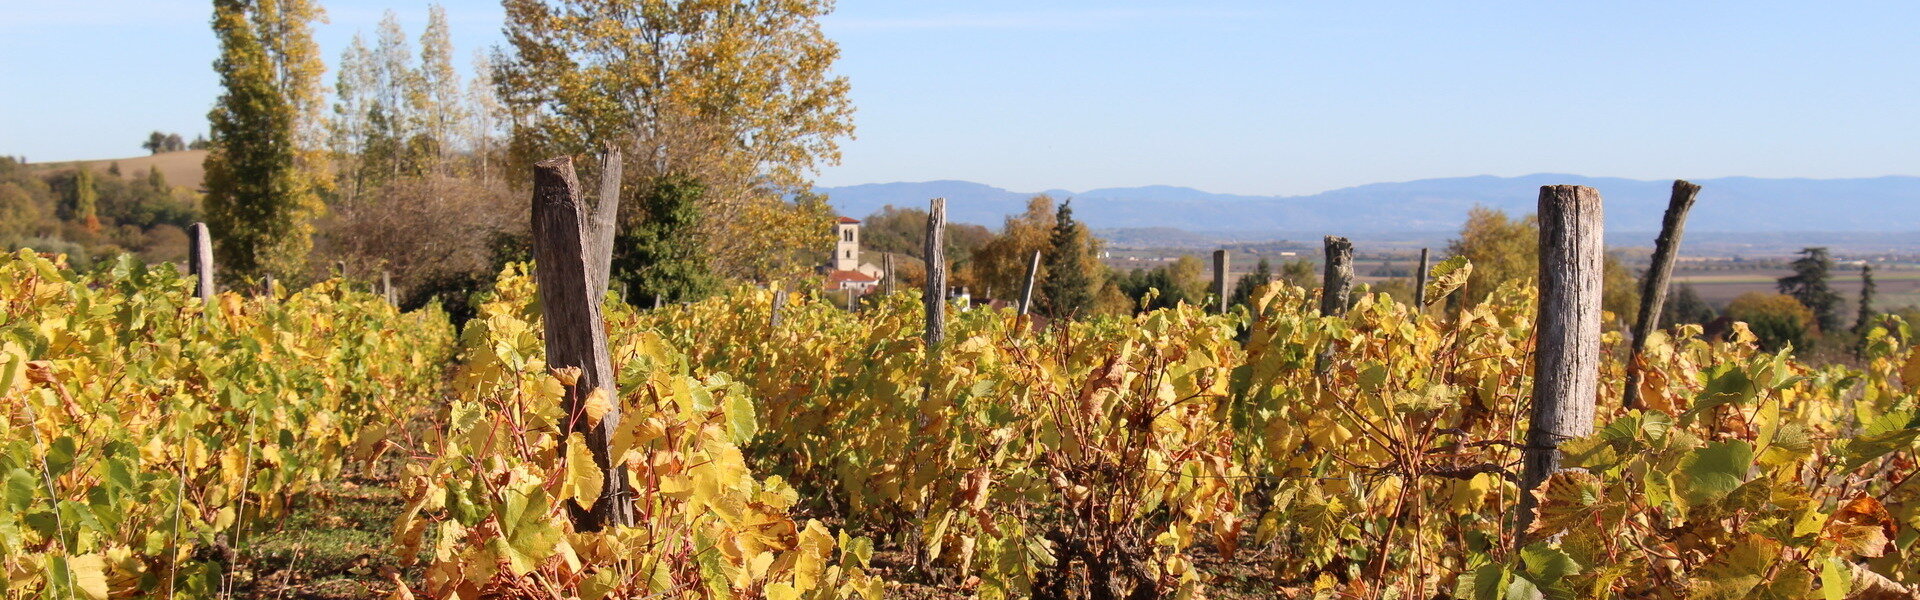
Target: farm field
column 1265, row 453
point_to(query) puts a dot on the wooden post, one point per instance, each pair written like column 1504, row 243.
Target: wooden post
column 340, row 269
column 1026, row 290
column 1420, row 283
column 779, row 304
column 1337, row 282
column 656, row 302
column 575, row 334
column 266, row 284
column 1653, row 289
column 600, row 222
column 886, row 275
column 1220, row 282
column 200, row 261
column 850, row 300
column 936, row 258
column 1566, row 377
column 386, row 287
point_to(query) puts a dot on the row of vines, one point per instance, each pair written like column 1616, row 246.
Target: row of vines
column 829, row 454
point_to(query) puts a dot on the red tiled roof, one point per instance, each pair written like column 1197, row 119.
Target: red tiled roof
column 835, row 278
column 849, row 220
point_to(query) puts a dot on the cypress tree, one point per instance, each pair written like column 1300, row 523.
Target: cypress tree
column 1808, row 284
column 261, row 199
column 1251, row 282
column 1068, row 289
column 1867, row 290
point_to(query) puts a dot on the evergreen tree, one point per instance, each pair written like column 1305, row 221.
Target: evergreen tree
column 1685, row 306
column 1069, row 262
column 656, row 257
column 1250, row 283
column 1808, row 284
column 1865, row 318
column 261, row 194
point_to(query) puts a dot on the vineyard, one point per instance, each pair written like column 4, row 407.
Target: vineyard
column 822, row 453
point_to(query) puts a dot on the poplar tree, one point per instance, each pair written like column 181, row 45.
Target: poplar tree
column 83, row 201
column 1069, row 262
column 263, row 191
column 438, row 99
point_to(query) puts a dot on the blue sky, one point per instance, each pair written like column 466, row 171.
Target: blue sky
column 1241, row 97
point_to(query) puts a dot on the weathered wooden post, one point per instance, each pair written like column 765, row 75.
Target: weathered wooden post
column 565, row 262
column 1026, row 289
column 936, row 257
column 200, row 261
column 1337, row 282
column 1420, row 283
column 657, row 303
column 1566, row 377
column 851, row 299
column 266, row 284
column 779, row 304
column 1653, row 289
column 601, row 219
column 886, row 275
column 386, row 287
column 1220, row 280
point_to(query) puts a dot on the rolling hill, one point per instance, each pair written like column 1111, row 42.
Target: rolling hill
column 180, row 168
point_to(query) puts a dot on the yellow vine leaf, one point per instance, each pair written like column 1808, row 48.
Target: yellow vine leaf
column 584, row 479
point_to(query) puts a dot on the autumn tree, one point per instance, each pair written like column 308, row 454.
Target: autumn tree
column 1808, row 284
column 1504, row 249
column 1000, row 265
column 1072, row 263
column 738, row 97
column 1778, row 320
column 263, row 188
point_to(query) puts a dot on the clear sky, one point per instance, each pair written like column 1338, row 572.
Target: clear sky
column 1241, row 97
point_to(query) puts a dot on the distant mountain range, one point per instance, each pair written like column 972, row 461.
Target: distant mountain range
column 1726, row 205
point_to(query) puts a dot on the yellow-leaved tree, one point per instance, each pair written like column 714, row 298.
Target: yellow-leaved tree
column 739, row 97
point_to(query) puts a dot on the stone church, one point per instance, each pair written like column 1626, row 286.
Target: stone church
column 845, row 271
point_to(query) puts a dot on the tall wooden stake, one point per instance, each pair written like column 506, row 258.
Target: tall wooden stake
column 779, row 304
column 1566, row 377
column 1653, row 289
column 886, row 274
column 1026, row 289
column 936, row 257
column 601, row 218
column 1220, row 281
column 1420, row 283
column 386, row 288
column 564, row 265
column 1337, row 282
column 200, row 261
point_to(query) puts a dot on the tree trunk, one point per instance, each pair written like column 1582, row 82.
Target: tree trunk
column 1337, row 283
column 564, row 263
column 1566, row 377
column 200, row 261
column 1653, row 289
column 936, row 257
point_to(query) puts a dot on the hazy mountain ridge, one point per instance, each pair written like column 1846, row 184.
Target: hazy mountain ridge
column 1728, row 204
